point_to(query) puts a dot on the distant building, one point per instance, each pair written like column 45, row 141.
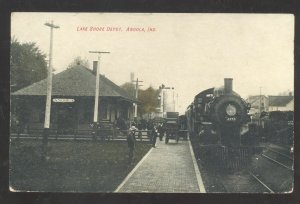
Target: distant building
column 72, row 106
column 258, row 101
column 281, row 103
column 169, row 101
column 271, row 103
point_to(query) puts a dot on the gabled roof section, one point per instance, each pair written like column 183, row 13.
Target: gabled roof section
column 255, row 99
column 76, row 81
column 280, row 101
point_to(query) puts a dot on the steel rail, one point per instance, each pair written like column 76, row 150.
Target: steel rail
column 277, row 162
column 262, row 183
column 280, row 153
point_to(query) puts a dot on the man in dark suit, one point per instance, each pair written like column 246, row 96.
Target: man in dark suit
column 154, row 135
column 131, row 142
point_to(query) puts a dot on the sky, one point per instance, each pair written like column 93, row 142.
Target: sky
column 190, row 52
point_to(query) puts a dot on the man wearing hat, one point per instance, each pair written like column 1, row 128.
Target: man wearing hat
column 131, row 141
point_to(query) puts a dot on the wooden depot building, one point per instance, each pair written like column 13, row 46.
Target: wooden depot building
column 72, row 104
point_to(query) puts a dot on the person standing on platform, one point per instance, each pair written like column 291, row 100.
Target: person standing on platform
column 161, row 131
column 154, row 135
column 131, row 142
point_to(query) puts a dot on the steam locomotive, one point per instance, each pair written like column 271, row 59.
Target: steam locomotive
column 217, row 119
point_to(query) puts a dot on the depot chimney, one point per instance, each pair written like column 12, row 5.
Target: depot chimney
column 227, row 85
column 95, row 63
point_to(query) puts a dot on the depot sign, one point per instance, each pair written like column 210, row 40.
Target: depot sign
column 63, row 100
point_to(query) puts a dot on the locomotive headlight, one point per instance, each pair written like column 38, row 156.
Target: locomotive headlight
column 231, row 110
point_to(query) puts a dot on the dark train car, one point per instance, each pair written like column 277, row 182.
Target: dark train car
column 278, row 127
column 216, row 117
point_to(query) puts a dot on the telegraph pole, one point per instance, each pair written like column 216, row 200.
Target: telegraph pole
column 96, row 105
column 177, row 105
column 49, row 93
column 259, row 105
column 136, row 95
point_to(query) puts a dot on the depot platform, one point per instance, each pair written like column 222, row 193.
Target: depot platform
column 168, row 168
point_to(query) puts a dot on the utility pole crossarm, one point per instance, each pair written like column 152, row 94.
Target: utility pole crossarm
column 138, row 82
column 51, row 25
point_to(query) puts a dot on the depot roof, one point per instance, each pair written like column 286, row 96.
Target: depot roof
column 76, row 81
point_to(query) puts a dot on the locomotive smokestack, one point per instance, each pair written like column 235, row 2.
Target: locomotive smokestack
column 227, row 85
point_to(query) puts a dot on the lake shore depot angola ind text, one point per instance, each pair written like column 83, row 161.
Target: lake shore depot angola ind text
column 114, row 29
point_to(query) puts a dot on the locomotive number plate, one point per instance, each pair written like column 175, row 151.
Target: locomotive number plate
column 231, row 119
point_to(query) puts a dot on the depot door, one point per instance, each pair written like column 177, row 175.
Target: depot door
column 66, row 118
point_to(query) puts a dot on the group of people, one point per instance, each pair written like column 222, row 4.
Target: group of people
column 156, row 130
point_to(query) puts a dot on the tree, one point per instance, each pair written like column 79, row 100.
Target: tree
column 27, row 64
column 149, row 100
column 78, row 60
column 130, row 88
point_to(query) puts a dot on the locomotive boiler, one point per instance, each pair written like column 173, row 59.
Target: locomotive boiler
column 217, row 119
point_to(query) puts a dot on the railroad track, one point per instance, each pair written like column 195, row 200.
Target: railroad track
column 258, row 180
column 274, row 169
column 246, row 182
column 280, row 153
column 261, row 182
column 277, row 162
column 270, row 171
column 279, row 158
